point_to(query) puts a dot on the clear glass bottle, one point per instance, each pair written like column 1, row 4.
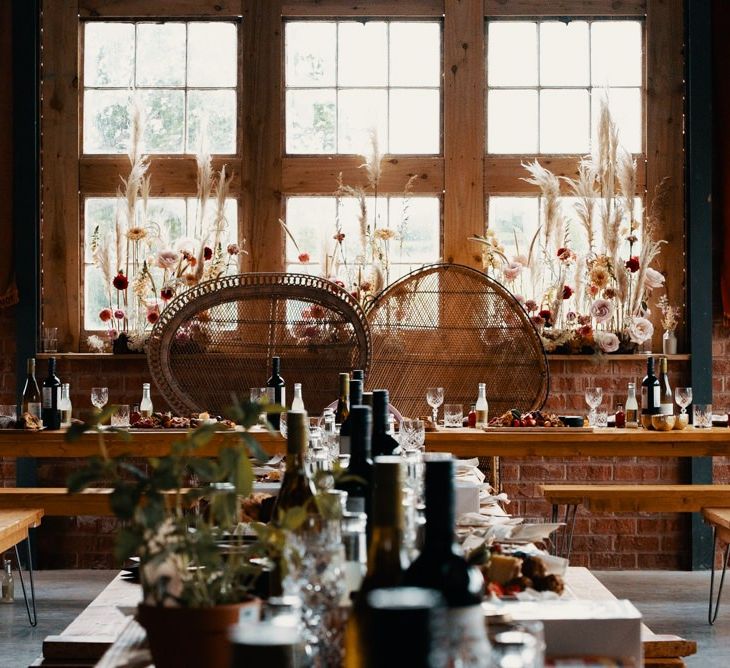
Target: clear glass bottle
column 8, row 586
column 297, row 403
column 65, row 405
column 145, row 406
column 31, row 402
column 482, row 407
column 632, row 408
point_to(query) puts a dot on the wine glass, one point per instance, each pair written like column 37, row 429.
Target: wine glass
column 99, row 397
column 683, row 397
column 435, row 397
column 594, row 396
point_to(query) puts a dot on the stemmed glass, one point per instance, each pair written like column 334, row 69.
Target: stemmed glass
column 99, row 397
column 594, row 396
column 683, row 397
column 435, row 397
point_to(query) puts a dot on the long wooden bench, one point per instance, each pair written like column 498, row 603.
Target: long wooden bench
column 57, row 501
column 630, row 499
column 14, row 527
column 719, row 520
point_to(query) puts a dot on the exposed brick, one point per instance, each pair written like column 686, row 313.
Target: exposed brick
column 616, row 526
column 637, row 543
column 636, row 473
column 611, row 560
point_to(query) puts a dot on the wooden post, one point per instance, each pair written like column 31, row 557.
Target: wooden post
column 464, row 130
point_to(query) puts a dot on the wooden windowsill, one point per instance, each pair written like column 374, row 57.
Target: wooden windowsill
column 562, row 358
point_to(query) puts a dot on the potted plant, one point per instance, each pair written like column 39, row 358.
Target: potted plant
column 192, row 591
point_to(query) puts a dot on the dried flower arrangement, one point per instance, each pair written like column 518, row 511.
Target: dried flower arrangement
column 670, row 314
column 142, row 268
column 368, row 272
column 596, row 299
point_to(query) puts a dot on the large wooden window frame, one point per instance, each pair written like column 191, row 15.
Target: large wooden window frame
column 463, row 175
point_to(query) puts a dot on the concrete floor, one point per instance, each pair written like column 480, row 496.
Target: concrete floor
column 671, row 602
column 60, row 597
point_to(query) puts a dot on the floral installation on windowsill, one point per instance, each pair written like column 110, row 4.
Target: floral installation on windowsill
column 596, row 300
column 142, row 268
column 366, row 273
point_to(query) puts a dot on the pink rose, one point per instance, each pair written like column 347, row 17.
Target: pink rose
column 607, row 341
column 653, row 278
column 640, row 330
column 165, row 259
column 512, row 271
column 601, row 310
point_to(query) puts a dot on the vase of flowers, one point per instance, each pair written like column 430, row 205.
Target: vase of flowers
column 585, row 278
column 670, row 320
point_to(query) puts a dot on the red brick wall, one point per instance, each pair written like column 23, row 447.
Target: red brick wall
column 622, row 541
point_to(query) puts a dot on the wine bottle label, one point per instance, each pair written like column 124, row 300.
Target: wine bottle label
column 344, row 444
column 650, row 402
column 468, row 643
column 35, row 409
column 666, row 408
column 47, row 397
column 482, row 417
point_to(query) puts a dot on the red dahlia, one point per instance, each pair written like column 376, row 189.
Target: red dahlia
column 632, row 264
column 207, row 253
column 120, row 281
column 567, row 292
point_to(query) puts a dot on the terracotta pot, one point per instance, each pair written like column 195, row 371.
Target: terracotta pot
column 191, row 637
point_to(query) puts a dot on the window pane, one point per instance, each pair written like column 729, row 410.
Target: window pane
column 98, row 212
column 564, row 53
column 415, row 54
column 512, row 53
column 512, row 121
column 625, row 107
column 164, row 120
column 514, row 220
column 106, row 121
column 564, row 121
column 168, row 216
column 312, row 221
column 160, row 54
column 616, row 53
column 362, row 58
column 407, row 136
column 212, row 53
column 310, row 121
column 310, row 53
column 218, row 109
column 230, row 232
column 360, row 113
column 109, row 54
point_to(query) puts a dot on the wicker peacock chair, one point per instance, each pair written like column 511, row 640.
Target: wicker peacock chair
column 218, row 338
column 451, row 326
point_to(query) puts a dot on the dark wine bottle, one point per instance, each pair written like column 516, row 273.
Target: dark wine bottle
column 50, row 412
column 367, row 399
column 277, row 382
column 385, row 555
column 383, row 443
column 441, row 566
column 385, row 551
column 359, row 374
column 358, row 480
column 297, row 488
column 650, row 394
column 31, row 401
column 343, row 401
column 666, row 405
column 346, row 426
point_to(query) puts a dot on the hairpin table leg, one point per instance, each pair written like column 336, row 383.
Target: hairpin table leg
column 32, row 619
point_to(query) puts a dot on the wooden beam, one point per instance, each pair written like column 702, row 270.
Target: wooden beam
column 369, row 8
column 464, row 129
column 561, row 8
column 665, row 142
column 99, row 176
column 262, row 131
column 130, row 9
column 60, row 181
column 502, row 173
column 318, row 174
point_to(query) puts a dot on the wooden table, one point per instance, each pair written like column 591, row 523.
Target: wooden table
column 461, row 442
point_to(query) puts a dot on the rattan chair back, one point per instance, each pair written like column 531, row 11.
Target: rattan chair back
column 217, row 340
column 451, row 326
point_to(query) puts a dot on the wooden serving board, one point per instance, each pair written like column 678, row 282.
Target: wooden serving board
column 539, row 430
